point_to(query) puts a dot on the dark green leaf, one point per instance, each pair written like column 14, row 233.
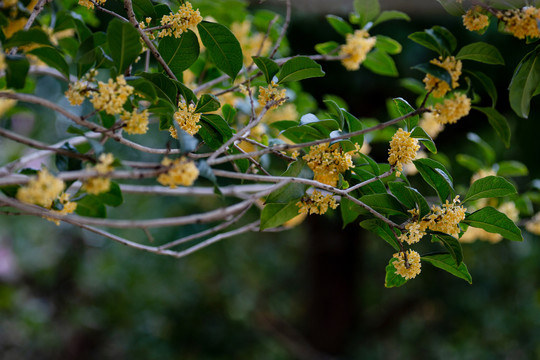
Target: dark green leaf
column 274, row 215
column 353, row 124
column 402, row 193
column 299, row 68
column 436, row 175
column 34, row 35
column 403, row 108
column 444, row 37
column 486, row 83
column 223, row 47
column 214, row 130
column 185, row 92
column 488, row 187
column 179, row 53
column 143, row 88
column 337, row 111
column 494, row 221
column 268, row 67
column 481, row 52
column 436, row 71
column 292, row 191
column 485, row 149
column 144, row 9
column 207, row 103
column 524, row 82
column 107, row 120
column 86, row 54
column 165, row 87
column 384, row 204
column 16, row 71
column 91, row 206
column 451, row 244
column 229, row 112
column 67, row 163
column 498, row 122
column 340, row 25
column 381, row 229
column 420, row 134
column 379, row 62
column 448, row 263
column 124, row 44
column 367, row 10
column 113, row 197
column 392, row 279
column 53, row 58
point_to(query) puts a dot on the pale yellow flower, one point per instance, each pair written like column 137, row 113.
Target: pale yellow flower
column 135, row 122
column 181, row 172
column 451, row 110
column 439, row 87
column 41, row 190
column 111, row 96
column 522, row 23
column 187, row 119
column 271, row 94
column 184, row 19
column 89, row 4
column 475, row 19
column 356, row 48
column 316, row 203
column 97, row 185
column 402, row 150
column 409, row 267
column 533, row 225
column 328, row 161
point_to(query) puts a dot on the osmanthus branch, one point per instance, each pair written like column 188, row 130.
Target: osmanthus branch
column 369, row 181
column 87, row 124
column 133, row 20
column 284, row 147
column 278, row 179
column 239, row 191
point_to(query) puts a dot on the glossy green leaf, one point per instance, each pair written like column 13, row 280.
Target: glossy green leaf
column 143, row 88
column 17, row 67
column 401, row 192
column 448, row 263
column 292, row 191
column 207, row 103
column 214, row 130
column 494, row 221
column 326, row 47
column 451, row 244
column 53, row 58
column 379, row 62
column 486, row 82
column 340, row 25
column 488, row 187
column 86, row 53
column 392, row 279
column 367, row 10
column 381, row 229
column 444, row 37
column 353, row 124
column 186, row 93
column 165, row 87
column 424, row 138
column 384, row 204
column 435, row 70
column 436, row 175
column 337, row 111
column 403, row 108
column 481, row 52
column 268, row 67
column 299, row 68
column 124, row 44
column 524, row 82
column 388, row 15
column 179, row 53
column 274, row 215
column 222, row 46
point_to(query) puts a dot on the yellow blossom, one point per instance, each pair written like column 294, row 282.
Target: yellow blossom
column 533, row 225
column 402, row 150
column 181, row 172
column 89, row 4
column 439, row 87
column 135, row 122
column 41, row 190
column 187, row 118
column 178, row 23
column 430, row 124
column 271, row 93
column 112, row 96
column 104, row 164
column 6, row 104
column 76, row 93
column 414, row 232
column 316, row 203
column 97, row 185
column 451, row 110
column 252, row 43
column 474, row 19
column 407, row 264
column 522, row 23
column 328, row 161
column 68, row 207
column 445, row 218
column 356, row 48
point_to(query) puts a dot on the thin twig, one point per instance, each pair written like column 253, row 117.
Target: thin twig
column 369, row 181
column 283, row 29
column 112, row 13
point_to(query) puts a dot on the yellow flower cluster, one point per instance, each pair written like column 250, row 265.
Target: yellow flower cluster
column 181, row 172
column 178, row 23
column 402, row 150
column 429, row 122
column 135, row 122
column 533, row 225
column 407, row 264
column 252, row 43
column 41, row 190
column 316, row 203
column 451, row 110
column 187, row 119
column 438, row 86
column 522, row 23
column 89, row 4
column 356, row 48
column 112, row 96
column 76, row 93
column 474, row 19
column 328, row 161
column 68, row 207
column 100, row 184
column 271, row 93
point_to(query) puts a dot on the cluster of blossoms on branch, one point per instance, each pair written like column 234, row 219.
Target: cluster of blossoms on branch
column 356, row 48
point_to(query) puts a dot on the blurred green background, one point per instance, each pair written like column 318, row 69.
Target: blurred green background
column 314, row 292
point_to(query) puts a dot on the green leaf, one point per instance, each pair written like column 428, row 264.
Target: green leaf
column 292, row 191
column 494, row 221
column 436, row 71
column 106, row 119
column 336, row 110
column 86, row 53
column 143, row 88
column 451, row 244
column 326, row 47
column 274, row 215
column 91, row 206
column 444, row 37
column 165, row 87
column 481, row 52
column 299, row 68
column 469, row 162
column 349, row 211
column 379, row 62
column 124, row 44
column 353, row 124
column 207, row 103
column 164, row 109
column 512, row 168
column 113, row 197
column 485, row 149
column 185, row 92
column 488, row 187
column 388, row 45
column 384, row 204
column 420, row 134
column 426, row 40
column 401, row 192
column 374, row 187
column 486, row 83
column 144, row 9
column 340, row 25
column 229, row 112
column 67, row 163
column 300, row 134
column 436, row 175
column 381, row 229
column 179, row 53
column 34, row 35
column 392, row 279
column 367, row 10
column 16, row 71
column 268, row 67
column 223, row 47
column 53, row 58
column 214, row 130
column 524, row 82
column 391, row 15
column 404, row 108
column 448, row 263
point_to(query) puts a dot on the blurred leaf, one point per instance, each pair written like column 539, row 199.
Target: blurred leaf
column 326, row 47
column 292, row 191
column 66, row 163
column 34, row 35
column 388, row 45
column 486, row 83
column 447, row 263
column 498, row 122
column 91, row 206
column 485, row 149
column 469, row 162
column 299, row 68
column 113, row 197
column 494, row 221
column 379, row 62
column 388, row 15
column 367, row 10
column 16, row 71
column 274, row 215
column 53, row 58
column 340, row 25
column 512, row 168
